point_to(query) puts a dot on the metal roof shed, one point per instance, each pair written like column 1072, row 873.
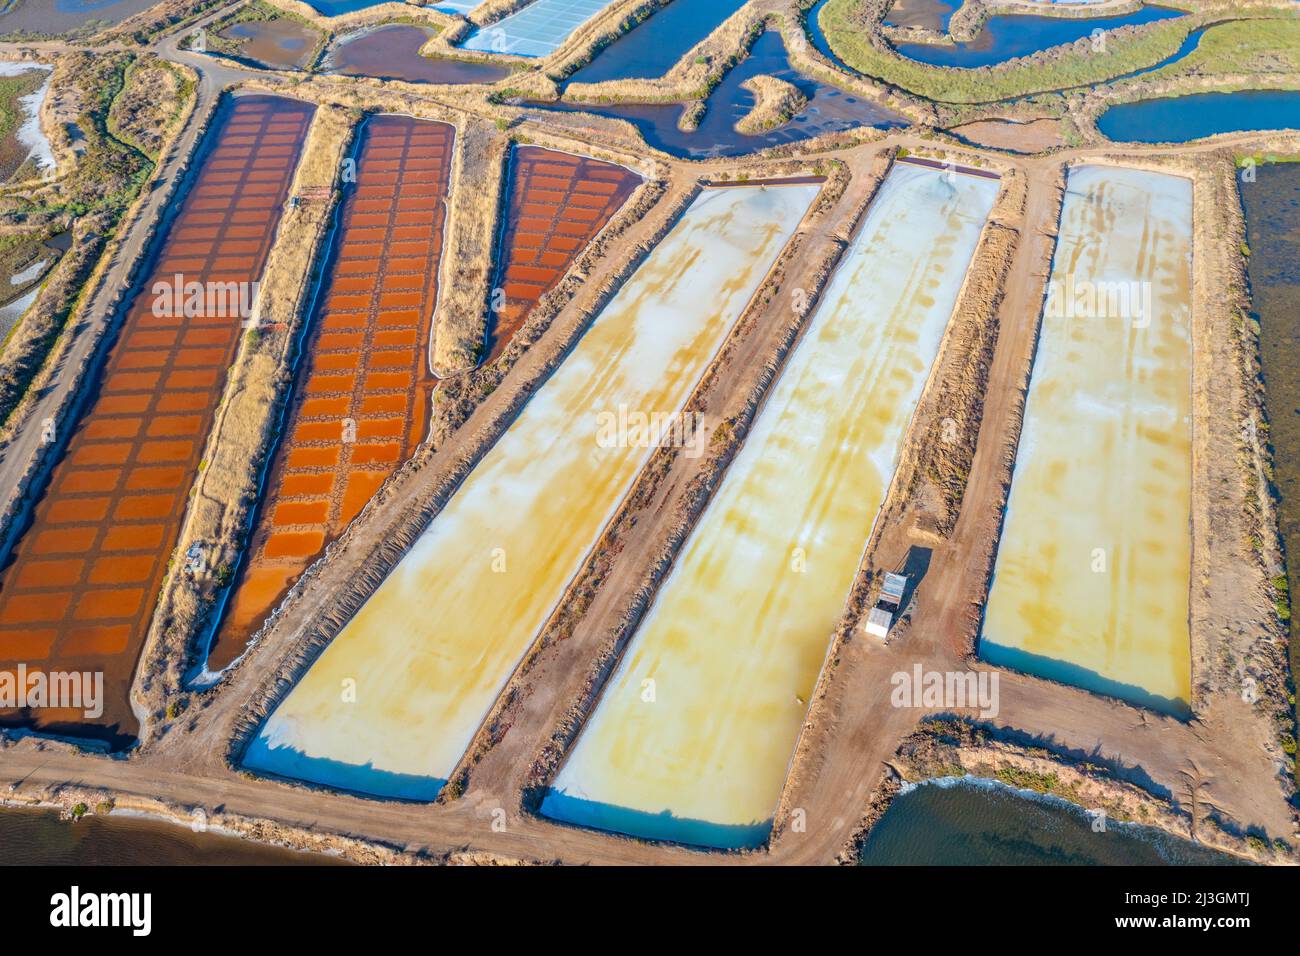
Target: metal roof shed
column 892, row 589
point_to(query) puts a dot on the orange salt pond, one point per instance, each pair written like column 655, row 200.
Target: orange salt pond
column 78, row 590
column 361, row 398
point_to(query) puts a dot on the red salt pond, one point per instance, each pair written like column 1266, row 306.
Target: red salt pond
column 557, row 204
column 79, row 587
column 362, row 395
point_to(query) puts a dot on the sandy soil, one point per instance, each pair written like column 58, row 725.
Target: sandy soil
column 1034, row 136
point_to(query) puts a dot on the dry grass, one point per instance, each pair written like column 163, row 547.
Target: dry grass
column 162, row 17
column 477, row 181
column 490, row 11
column 149, row 106
column 35, row 346
column 776, row 103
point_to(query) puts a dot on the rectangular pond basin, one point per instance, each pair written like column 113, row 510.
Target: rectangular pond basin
column 692, row 737
column 538, row 29
column 362, row 396
column 557, row 203
column 79, row 588
column 653, row 47
column 1091, row 581
column 391, row 705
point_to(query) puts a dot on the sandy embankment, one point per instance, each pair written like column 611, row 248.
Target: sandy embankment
column 1030, row 136
column 394, row 10
column 475, row 201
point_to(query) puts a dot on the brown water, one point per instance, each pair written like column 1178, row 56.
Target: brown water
column 279, row 44
column 40, row 17
column 927, row 14
column 972, row 822
column 393, row 53
column 43, row 838
column 1272, row 205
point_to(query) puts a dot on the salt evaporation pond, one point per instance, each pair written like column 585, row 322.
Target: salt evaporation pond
column 829, row 110
column 538, row 29
column 652, row 48
column 12, row 311
column 693, row 735
column 432, row 648
column 44, row 17
column 392, row 52
column 280, row 44
column 42, row 838
column 1092, row 575
column 1181, row 119
column 1009, row 36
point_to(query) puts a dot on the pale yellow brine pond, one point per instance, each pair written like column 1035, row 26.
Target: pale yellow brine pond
column 393, row 702
column 692, row 738
column 1092, row 576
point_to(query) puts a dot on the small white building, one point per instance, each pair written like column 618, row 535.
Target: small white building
column 893, row 588
column 881, row 617
column 878, row 622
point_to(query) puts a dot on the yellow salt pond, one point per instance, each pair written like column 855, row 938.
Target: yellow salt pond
column 393, row 702
column 1092, row 574
column 692, row 737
